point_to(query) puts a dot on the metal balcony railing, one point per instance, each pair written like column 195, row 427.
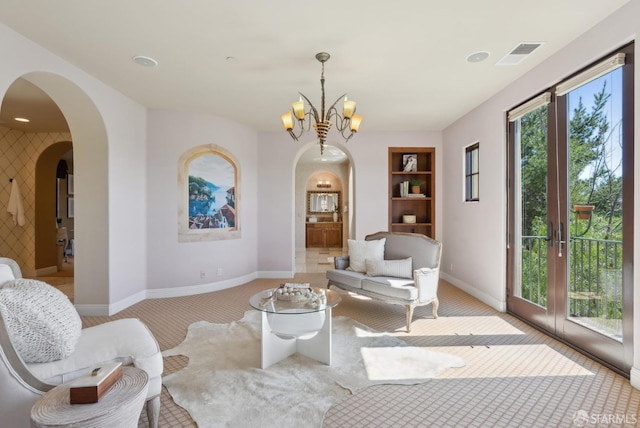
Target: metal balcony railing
column 595, row 276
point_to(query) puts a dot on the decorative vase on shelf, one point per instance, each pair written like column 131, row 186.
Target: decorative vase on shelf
column 415, row 189
column 335, row 216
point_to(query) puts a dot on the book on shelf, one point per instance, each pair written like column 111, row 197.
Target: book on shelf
column 90, row 387
column 416, row 195
column 404, row 189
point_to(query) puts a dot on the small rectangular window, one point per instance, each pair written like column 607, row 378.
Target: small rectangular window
column 472, row 173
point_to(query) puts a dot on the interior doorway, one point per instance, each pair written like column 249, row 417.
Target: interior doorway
column 85, row 122
column 330, row 173
column 54, row 224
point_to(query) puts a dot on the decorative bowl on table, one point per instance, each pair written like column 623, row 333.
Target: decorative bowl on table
column 294, row 292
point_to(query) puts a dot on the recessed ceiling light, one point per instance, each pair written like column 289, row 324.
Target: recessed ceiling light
column 21, row 119
column 478, row 56
column 145, row 61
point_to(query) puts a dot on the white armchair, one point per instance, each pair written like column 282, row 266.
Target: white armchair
column 21, row 383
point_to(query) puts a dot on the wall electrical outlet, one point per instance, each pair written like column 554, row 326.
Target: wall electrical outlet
column 219, row 271
column 203, row 274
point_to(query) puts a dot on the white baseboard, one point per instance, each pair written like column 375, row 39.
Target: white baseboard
column 275, row 274
column 116, row 307
column 111, row 309
column 93, row 310
column 190, row 290
column 480, row 295
column 634, row 377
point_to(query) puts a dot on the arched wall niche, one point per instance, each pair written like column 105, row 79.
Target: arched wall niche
column 215, row 166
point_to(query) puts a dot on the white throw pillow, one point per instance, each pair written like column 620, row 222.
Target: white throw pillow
column 395, row 268
column 359, row 251
column 41, row 321
column 6, row 274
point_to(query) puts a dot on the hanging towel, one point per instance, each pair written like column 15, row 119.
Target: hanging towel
column 15, row 206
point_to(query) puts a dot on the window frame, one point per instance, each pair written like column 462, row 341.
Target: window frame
column 471, row 171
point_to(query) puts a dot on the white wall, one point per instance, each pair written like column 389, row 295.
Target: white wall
column 278, row 155
column 106, row 235
column 371, row 166
column 474, row 234
column 172, row 264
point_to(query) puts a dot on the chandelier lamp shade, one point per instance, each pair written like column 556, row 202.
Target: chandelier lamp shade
column 347, row 123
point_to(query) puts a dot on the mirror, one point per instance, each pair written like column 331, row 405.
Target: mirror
column 322, row 202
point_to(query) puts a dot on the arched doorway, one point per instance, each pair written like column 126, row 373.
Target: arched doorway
column 54, row 200
column 47, row 208
column 91, row 178
column 333, row 168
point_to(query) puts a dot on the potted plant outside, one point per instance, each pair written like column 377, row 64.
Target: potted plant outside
column 584, row 211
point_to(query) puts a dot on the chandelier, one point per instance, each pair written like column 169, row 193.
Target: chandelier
column 348, row 121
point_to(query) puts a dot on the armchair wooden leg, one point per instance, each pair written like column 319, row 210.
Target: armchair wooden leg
column 409, row 317
column 153, row 411
column 434, row 308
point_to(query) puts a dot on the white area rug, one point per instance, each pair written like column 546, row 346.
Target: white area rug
column 223, row 385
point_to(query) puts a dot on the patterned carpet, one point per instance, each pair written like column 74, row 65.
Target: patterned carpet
column 515, row 376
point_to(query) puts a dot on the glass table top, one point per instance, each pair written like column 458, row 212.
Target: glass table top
column 294, row 300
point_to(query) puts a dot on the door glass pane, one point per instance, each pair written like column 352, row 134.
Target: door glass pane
column 595, row 203
column 531, row 210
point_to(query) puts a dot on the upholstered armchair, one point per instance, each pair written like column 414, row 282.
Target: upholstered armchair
column 42, row 344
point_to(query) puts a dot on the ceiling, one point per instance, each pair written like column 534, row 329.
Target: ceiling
column 403, row 62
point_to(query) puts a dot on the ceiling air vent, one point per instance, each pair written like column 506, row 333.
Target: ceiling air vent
column 519, row 53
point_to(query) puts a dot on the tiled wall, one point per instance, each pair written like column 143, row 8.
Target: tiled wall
column 19, row 152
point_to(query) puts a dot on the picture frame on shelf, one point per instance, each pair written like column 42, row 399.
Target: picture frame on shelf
column 410, row 162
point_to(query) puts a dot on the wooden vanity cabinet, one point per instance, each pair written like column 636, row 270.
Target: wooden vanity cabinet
column 324, row 235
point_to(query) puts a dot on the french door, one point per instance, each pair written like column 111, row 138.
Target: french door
column 570, row 214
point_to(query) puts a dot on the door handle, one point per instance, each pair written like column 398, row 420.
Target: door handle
column 561, row 240
column 549, row 237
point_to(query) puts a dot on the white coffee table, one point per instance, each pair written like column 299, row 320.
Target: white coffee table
column 290, row 327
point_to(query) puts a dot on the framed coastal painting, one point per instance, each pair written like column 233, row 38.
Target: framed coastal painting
column 208, row 191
